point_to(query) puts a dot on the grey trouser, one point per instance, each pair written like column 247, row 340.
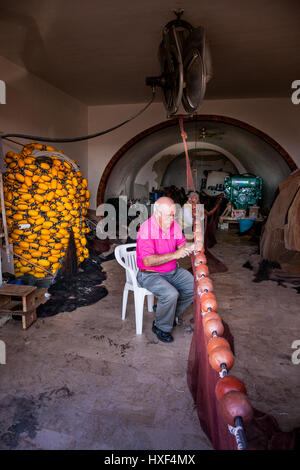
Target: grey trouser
column 174, row 291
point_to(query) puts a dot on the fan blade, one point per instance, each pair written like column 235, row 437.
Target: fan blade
column 179, row 72
column 195, row 84
column 196, row 40
column 194, row 70
column 172, row 71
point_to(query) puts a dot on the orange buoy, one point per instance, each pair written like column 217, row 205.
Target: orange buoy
column 200, row 258
column 216, row 342
column 221, row 356
column 199, row 247
column 235, row 404
column 201, row 271
column 210, row 316
column 213, row 327
column 228, row 384
column 198, row 237
column 198, row 226
column 207, row 295
column 209, row 304
column 205, row 285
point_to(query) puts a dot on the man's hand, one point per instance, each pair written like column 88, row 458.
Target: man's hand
column 183, row 251
column 158, row 260
column 190, row 246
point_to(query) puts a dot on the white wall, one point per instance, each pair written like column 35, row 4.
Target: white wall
column 37, row 108
column 147, row 176
column 103, row 148
column 277, row 117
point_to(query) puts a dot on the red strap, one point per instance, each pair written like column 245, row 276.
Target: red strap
column 189, row 176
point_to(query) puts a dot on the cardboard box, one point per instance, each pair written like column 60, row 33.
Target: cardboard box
column 253, row 212
column 238, row 213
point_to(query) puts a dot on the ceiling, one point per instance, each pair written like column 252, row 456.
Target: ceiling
column 100, row 51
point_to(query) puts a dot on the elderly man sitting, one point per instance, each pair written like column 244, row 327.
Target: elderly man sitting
column 160, row 243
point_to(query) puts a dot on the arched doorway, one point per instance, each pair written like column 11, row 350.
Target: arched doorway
column 253, row 150
column 202, row 161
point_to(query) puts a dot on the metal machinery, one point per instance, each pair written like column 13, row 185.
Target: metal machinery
column 243, row 190
column 185, row 63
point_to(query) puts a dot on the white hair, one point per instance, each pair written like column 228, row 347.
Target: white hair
column 158, row 207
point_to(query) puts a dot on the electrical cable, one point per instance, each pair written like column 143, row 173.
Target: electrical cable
column 78, row 139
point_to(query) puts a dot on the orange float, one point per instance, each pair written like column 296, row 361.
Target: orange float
column 210, row 316
column 201, row 271
column 200, row 258
column 198, row 237
column 205, row 285
column 219, row 356
column 207, row 295
column 234, row 405
column 216, row 342
column 209, row 304
column 213, row 327
column 228, row 384
column 199, row 247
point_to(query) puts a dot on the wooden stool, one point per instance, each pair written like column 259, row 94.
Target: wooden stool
column 30, row 297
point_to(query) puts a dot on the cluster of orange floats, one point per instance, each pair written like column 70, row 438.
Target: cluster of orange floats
column 231, row 392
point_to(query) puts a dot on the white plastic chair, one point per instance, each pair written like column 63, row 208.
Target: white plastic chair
column 127, row 259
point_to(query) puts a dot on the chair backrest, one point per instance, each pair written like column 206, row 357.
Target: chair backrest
column 126, row 257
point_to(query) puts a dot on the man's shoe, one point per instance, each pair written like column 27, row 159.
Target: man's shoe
column 162, row 335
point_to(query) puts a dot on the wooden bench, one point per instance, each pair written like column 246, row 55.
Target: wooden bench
column 27, row 298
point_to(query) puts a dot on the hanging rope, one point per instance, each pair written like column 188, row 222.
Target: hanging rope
column 189, row 177
column 78, row 139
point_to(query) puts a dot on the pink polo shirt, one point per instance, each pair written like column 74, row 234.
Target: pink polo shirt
column 152, row 240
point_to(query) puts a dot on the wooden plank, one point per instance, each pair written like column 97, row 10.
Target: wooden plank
column 16, row 290
column 28, row 319
column 31, row 299
column 9, row 311
column 34, row 299
column 12, row 304
column 6, row 311
column 12, row 312
column 4, row 301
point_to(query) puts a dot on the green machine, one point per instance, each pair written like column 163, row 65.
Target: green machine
column 243, row 190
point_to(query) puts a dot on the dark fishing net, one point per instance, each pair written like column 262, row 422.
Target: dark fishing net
column 69, row 292
column 265, row 270
column 69, row 266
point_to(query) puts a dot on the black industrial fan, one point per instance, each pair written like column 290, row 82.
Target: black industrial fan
column 185, row 64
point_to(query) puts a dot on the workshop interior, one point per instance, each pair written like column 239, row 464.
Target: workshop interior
column 104, row 110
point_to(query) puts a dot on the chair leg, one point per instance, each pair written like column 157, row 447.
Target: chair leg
column 124, row 306
column 150, row 300
column 139, row 312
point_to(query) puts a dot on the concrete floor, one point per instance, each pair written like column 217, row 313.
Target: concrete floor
column 84, row 380
column 264, row 319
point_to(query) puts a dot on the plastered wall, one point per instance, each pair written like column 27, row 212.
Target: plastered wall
column 34, row 107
